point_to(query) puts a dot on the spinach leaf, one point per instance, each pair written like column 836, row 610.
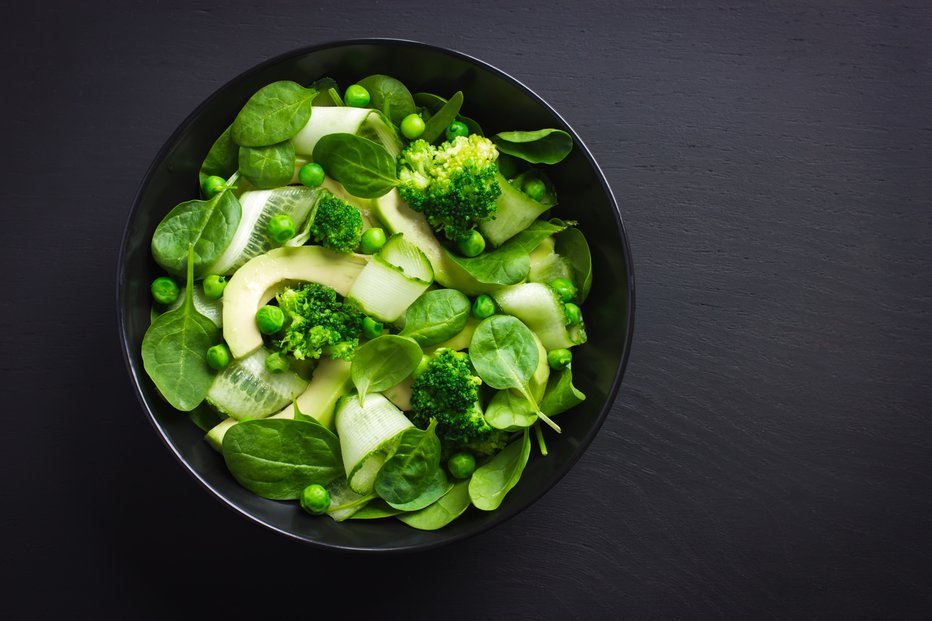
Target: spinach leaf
column 433, row 103
column 510, row 263
column 268, row 167
column 205, row 417
column 383, row 362
column 364, row 167
column 388, row 95
column 436, row 125
column 278, row 457
column 437, row 487
column 510, row 411
column 449, row 507
column 174, row 350
column 572, row 244
column 223, row 158
column 493, row 480
column 208, row 226
column 375, row 510
column 560, row 395
column 276, row 112
column 412, row 467
column 544, row 146
column 436, row 316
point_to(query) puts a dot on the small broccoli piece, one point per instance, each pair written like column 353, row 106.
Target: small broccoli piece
column 316, row 323
column 454, row 185
column 448, row 391
column 337, row 225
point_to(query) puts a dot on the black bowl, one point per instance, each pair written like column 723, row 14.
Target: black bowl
column 499, row 103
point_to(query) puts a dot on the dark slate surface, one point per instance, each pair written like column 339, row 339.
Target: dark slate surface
column 770, row 453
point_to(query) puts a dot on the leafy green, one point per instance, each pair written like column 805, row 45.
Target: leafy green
column 434, row 103
column 383, row 362
column 572, row 244
column 223, row 158
column 276, row 112
column 437, row 487
column 208, row 226
column 492, row 481
column 436, row 316
column 388, row 95
column 375, row 510
column 364, row 167
column 270, row 166
column 510, row 411
column 436, row 125
column 544, row 146
column 510, row 263
column 412, row 467
column 561, row 394
column 437, row 515
column 278, row 457
column 174, row 350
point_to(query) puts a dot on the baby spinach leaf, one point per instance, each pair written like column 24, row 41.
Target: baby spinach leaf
column 572, row 244
column 433, row 103
column 364, row 167
column 560, row 395
column 208, row 226
column 383, row 362
column 278, row 457
column 276, row 112
column 436, row 316
column 388, row 95
column 437, row 515
column 437, row 487
column 544, row 146
column 375, row 510
column 510, row 411
column 510, row 263
column 174, row 350
column 436, row 125
column 493, row 480
column 223, row 158
column 268, row 167
column 412, row 467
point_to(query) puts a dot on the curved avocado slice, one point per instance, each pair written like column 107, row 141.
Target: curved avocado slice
column 262, row 277
column 331, row 380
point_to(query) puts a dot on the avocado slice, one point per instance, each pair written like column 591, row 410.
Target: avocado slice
column 331, row 380
column 399, row 218
column 262, row 277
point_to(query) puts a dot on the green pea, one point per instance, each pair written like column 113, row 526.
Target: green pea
column 213, row 185
column 559, row 358
column 412, row 126
column 270, row 319
column 457, row 128
column 461, row 465
column 573, row 314
column 483, row 306
column 356, row 96
column 535, row 188
column 473, row 245
column 564, row 288
column 164, row 290
column 315, row 499
column 372, row 240
column 371, row 328
column 281, row 228
column 311, row 175
column 218, row 356
column 277, row 362
column 214, row 286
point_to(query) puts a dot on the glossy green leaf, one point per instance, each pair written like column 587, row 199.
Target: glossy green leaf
column 492, row 481
column 268, row 167
column 275, row 113
column 544, row 146
column 389, row 95
column 223, row 158
column 436, row 316
column 384, row 362
column 436, row 125
column 446, row 509
column 412, row 467
column 510, row 263
column 363, row 167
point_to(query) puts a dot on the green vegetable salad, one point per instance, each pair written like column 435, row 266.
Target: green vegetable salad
column 372, row 306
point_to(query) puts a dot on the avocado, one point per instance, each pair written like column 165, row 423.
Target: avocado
column 214, row 437
column 399, row 218
column 331, row 380
column 262, row 277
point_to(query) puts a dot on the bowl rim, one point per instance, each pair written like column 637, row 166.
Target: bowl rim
column 136, row 373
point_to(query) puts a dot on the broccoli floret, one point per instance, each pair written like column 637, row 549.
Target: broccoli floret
column 337, row 225
column 448, row 391
column 317, row 323
column 455, row 185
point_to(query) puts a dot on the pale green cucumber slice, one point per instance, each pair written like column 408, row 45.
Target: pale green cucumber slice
column 345, row 502
column 366, row 434
column 260, row 206
column 364, row 122
column 540, row 309
column 394, row 278
column 514, row 212
column 261, row 278
column 247, row 388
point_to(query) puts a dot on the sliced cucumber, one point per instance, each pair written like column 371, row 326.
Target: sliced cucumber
column 345, row 502
column 514, row 212
column 540, row 309
column 246, row 388
column 366, row 435
column 260, row 206
column 394, row 278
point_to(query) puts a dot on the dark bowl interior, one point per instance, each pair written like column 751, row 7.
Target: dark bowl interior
column 499, row 103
